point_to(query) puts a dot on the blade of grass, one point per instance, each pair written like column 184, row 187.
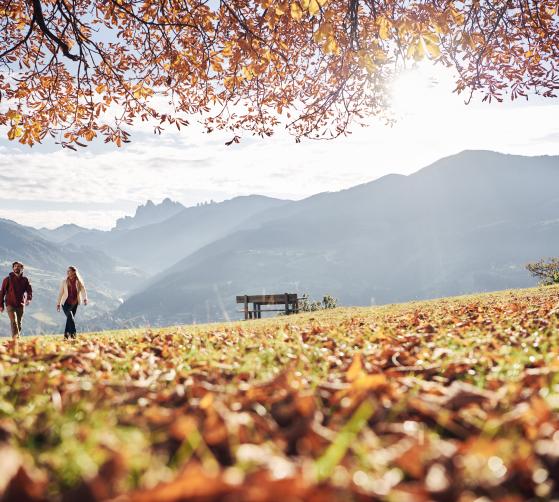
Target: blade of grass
column 335, row 453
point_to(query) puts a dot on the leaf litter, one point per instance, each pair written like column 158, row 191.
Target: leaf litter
column 452, row 399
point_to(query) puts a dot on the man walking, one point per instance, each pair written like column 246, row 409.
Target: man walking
column 17, row 292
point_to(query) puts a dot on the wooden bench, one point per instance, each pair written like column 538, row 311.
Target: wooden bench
column 289, row 301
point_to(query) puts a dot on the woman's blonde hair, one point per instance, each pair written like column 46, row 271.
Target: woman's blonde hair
column 78, row 276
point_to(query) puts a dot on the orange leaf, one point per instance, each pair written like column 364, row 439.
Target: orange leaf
column 355, row 369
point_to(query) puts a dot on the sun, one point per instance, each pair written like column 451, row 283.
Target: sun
column 423, row 89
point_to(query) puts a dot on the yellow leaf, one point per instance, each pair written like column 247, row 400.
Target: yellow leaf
column 365, row 61
column 13, row 115
column 207, row 401
column 247, row 72
column 370, row 382
column 227, row 51
column 418, row 51
column 331, row 46
column 430, row 37
column 296, row 11
column 314, row 7
column 281, row 9
column 100, row 88
column 410, row 52
column 404, row 28
column 432, row 48
column 14, row 132
column 458, row 17
column 305, row 4
column 229, row 83
column 141, row 91
column 384, row 28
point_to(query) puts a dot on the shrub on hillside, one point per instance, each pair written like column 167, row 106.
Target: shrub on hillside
column 547, row 272
column 308, row 305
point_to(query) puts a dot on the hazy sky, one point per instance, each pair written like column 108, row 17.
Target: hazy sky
column 43, row 186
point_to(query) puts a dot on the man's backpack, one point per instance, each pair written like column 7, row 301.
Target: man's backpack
column 8, row 284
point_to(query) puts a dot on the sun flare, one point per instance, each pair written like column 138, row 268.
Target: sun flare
column 419, row 90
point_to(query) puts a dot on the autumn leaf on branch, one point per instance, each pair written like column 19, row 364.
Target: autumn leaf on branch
column 313, row 66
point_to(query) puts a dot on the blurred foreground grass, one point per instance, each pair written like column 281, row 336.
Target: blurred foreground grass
column 451, row 399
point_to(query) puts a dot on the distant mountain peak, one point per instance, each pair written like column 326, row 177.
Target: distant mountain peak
column 149, row 213
column 471, row 163
column 62, row 228
column 62, row 232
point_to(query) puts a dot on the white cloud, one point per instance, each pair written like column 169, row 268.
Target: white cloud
column 50, row 219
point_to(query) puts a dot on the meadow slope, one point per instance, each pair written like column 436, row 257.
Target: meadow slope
column 451, row 399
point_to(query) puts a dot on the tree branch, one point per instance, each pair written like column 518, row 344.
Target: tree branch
column 63, row 46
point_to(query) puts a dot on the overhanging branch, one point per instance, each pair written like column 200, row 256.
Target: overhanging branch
column 39, row 18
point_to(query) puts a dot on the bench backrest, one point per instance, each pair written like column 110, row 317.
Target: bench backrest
column 268, row 299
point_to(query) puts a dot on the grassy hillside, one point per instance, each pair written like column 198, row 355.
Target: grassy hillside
column 467, row 223
column 452, row 399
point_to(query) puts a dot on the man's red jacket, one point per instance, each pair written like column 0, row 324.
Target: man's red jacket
column 13, row 289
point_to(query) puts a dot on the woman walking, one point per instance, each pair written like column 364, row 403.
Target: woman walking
column 72, row 293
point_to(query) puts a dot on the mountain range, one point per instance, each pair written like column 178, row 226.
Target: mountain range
column 467, row 223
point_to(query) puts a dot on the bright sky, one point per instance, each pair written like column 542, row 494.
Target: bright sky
column 43, row 186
